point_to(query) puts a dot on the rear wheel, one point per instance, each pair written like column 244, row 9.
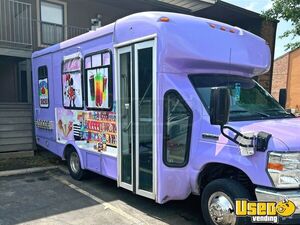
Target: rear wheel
column 74, row 165
column 218, row 202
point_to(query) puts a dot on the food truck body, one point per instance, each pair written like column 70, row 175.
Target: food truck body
column 140, row 101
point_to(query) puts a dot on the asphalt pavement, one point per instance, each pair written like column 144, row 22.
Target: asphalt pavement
column 52, row 197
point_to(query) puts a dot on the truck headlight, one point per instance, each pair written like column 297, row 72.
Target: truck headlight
column 284, row 169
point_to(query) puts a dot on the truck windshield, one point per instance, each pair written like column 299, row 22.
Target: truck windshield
column 249, row 101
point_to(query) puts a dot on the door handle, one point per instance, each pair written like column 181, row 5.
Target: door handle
column 127, row 128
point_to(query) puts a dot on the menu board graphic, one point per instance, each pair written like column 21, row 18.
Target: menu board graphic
column 100, row 127
column 44, row 93
column 93, row 129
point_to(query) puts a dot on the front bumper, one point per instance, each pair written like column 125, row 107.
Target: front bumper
column 272, row 195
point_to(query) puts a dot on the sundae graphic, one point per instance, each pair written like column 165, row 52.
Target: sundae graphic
column 65, row 128
column 65, row 124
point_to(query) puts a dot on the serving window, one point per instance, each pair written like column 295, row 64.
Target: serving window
column 43, row 87
column 72, row 82
column 98, row 80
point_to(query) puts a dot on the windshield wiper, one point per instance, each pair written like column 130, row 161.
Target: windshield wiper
column 281, row 112
column 256, row 112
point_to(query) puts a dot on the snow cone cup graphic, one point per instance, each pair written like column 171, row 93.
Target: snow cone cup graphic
column 104, row 88
column 98, row 88
column 92, row 87
column 101, row 87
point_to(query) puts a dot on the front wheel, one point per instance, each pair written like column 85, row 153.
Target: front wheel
column 218, row 202
column 74, row 165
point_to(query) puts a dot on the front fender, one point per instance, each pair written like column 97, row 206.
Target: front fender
column 253, row 166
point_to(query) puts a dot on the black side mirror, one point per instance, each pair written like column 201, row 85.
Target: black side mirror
column 219, row 106
column 282, row 97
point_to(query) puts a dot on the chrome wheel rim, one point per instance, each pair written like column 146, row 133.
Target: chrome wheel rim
column 74, row 162
column 221, row 209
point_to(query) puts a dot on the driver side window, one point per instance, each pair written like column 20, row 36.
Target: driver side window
column 177, row 130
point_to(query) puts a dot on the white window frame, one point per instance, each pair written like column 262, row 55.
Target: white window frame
column 39, row 21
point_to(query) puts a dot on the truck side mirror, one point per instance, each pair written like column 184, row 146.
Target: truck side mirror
column 219, row 115
column 219, row 106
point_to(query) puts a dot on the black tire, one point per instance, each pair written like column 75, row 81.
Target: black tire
column 78, row 174
column 233, row 189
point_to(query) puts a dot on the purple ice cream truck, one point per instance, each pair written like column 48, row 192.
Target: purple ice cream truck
column 167, row 105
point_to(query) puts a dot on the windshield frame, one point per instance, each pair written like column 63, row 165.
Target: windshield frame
column 258, row 115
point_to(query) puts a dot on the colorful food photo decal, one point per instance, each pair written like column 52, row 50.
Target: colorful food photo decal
column 106, row 59
column 97, row 85
column 78, row 127
column 44, row 93
column 72, row 64
column 96, row 60
column 100, row 128
column 92, row 130
column 88, row 62
column 64, row 125
column 91, row 87
column 72, row 81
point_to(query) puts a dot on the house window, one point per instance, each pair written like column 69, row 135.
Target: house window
column 98, row 80
column 177, row 130
column 52, row 23
column 72, row 82
column 43, row 87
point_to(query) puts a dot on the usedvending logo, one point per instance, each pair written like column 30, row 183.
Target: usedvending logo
column 264, row 212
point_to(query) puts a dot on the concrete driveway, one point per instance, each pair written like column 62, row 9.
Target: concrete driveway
column 52, row 197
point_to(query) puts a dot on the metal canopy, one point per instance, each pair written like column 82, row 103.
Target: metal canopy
column 191, row 5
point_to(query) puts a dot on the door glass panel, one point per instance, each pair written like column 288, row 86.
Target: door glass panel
column 145, row 145
column 177, row 125
column 126, row 123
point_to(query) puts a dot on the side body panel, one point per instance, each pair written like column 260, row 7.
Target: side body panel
column 104, row 163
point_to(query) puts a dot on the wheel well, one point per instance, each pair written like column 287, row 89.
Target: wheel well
column 68, row 149
column 215, row 171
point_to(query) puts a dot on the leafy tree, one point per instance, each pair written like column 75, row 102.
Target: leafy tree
column 288, row 10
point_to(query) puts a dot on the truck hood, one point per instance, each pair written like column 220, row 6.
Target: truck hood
column 286, row 130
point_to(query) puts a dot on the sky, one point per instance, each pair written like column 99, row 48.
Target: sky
column 262, row 5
